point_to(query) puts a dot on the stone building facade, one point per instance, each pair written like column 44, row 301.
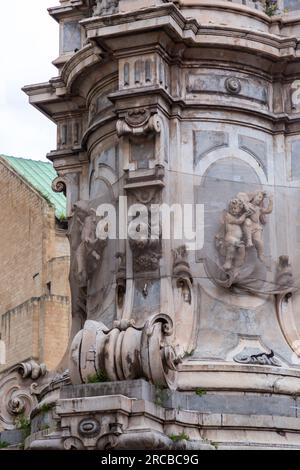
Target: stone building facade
column 34, row 259
column 192, row 339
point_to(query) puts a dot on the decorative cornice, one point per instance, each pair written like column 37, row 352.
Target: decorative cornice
column 188, row 30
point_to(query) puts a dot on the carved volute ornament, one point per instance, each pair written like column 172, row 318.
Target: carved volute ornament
column 17, row 392
column 139, row 122
column 126, row 352
column 59, row 185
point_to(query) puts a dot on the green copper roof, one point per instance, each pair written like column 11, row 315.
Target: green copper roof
column 40, row 176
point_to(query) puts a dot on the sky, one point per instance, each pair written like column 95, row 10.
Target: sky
column 28, row 44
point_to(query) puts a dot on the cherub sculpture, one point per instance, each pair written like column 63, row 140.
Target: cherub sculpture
column 254, row 223
column 243, row 225
column 231, row 243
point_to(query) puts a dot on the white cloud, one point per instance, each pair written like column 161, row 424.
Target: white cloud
column 29, row 43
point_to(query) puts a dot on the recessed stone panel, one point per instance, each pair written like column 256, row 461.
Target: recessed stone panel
column 246, row 88
column 295, row 160
column 207, row 141
column 142, row 150
column 255, row 147
column 71, row 36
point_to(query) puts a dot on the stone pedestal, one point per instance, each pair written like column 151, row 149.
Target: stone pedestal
column 138, row 415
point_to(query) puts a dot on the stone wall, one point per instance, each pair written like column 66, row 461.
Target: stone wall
column 22, row 241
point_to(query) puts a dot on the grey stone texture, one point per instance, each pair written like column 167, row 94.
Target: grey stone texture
column 71, row 36
column 195, row 105
column 291, row 5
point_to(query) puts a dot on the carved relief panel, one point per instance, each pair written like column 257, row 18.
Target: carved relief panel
column 232, row 87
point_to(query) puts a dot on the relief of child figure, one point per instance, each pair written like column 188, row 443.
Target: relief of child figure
column 254, row 223
column 234, row 247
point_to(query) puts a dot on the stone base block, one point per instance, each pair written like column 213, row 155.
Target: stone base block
column 135, row 415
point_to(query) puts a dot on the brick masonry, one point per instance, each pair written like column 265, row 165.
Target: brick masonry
column 34, row 288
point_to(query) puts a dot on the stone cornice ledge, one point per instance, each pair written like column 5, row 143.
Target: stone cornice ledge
column 106, row 29
column 235, row 378
column 224, row 5
column 154, row 16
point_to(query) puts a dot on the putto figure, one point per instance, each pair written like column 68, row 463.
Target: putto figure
column 254, row 223
column 231, row 243
column 242, row 228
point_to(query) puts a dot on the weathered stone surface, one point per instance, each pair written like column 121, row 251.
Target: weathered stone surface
column 139, row 389
column 197, row 106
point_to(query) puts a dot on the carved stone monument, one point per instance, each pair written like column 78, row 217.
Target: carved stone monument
column 184, row 335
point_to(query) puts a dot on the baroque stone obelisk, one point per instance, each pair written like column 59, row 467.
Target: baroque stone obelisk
column 182, row 340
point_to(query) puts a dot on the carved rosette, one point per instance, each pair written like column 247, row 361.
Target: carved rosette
column 17, row 392
column 233, row 85
column 125, row 352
